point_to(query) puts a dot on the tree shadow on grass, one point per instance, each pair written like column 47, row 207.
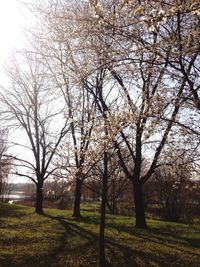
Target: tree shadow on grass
column 85, row 219
column 86, row 255
column 8, row 210
column 160, row 235
column 78, row 246
column 88, row 251
column 168, row 252
column 193, row 241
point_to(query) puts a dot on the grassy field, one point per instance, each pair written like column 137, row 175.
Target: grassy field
column 58, row 240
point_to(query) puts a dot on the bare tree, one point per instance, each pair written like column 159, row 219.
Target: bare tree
column 31, row 105
column 5, row 166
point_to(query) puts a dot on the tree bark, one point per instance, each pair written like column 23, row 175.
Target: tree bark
column 102, row 259
column 1, row 187
column 139, row 205
column 39, row 199
column 77, row 200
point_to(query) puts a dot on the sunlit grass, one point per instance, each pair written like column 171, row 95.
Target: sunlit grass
column 58, row 239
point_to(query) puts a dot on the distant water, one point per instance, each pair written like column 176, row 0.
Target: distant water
column 15, row 196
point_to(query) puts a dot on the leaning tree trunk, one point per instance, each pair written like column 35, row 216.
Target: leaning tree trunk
column 139, row 205
column 77, row 200
column 102, row 258
column 39, row 198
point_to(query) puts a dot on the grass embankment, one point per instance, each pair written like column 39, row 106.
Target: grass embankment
column 58, row 240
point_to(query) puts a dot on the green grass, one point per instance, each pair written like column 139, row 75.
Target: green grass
column 58, row 240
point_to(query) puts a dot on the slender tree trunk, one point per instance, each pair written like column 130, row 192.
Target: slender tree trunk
column 77, row 200
column 39, row 199
column 102, row 259
column 1, row 187
column 139, row 205
column 1, row 190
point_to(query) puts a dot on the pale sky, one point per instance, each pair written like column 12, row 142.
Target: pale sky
column 14, row 18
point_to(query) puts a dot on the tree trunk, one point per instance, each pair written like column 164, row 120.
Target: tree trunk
column 1, row 190
column 139, row 205
column 102, row 259
column 1, row 187
column 77, row 200
column 39, row 199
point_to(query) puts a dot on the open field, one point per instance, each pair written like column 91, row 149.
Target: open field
column 58, row 240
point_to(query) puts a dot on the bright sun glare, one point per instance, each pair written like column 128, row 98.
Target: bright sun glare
column 12, row 20
column 14, row 17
